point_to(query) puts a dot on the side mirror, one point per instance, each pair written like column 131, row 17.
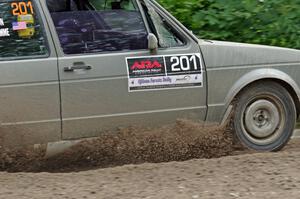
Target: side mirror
column 152, row 43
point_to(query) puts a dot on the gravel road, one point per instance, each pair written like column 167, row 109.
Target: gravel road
column 264, row 175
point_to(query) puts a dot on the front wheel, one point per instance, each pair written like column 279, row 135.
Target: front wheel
column 265, row 117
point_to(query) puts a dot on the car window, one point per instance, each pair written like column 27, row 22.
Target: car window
column 166, row 35
column 111, row 4
column 85, row 26
column 21, row 32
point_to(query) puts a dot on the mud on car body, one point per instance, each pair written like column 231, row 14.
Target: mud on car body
column 72, row 69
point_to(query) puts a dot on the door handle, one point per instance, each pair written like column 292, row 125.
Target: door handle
column 76, row 67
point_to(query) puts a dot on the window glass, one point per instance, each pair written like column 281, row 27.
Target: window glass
column 110, row 4
column 93, row 26
column 21, row 33
column 166, row 35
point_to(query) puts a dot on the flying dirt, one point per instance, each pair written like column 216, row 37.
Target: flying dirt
column 181, row 141
column 186, row 160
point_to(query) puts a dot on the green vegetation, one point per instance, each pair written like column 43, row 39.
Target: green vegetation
column 270, row 22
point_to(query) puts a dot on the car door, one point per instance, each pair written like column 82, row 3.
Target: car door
column 110, row 79
column 29, row 87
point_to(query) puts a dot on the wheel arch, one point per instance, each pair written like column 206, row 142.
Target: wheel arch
column 259, row 75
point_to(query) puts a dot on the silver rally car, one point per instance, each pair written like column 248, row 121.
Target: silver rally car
column 72, row 69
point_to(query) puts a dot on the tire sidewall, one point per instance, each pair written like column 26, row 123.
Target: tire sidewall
column 279, row 93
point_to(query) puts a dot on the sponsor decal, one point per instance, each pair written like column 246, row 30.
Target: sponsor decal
column 4, row 32
column 1, row 22
column 146, row 65
column 164, row 72
column 25, row 26
column 19, row 25
column 143, row 67
column 28, row 18
column 183, row 79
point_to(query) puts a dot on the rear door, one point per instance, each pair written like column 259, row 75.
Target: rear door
column 29, row 87
column 109, row 78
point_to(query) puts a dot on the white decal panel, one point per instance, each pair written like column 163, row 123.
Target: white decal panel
column 164, row 72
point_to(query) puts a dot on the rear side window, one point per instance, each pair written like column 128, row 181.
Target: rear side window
column 21, row 33
column 95, row 26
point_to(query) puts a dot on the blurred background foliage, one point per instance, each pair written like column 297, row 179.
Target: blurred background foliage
column 270, row 22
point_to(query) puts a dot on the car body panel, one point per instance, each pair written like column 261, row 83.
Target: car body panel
column 219, row 54
column 30, row 98
column 243, row 64
column 98, row 100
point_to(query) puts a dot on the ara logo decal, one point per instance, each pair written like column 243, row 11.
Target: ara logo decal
column 152, row 66
column 138, row 65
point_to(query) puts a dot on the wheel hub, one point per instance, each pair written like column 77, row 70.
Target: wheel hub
column 261, row 118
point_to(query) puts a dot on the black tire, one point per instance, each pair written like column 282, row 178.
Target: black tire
column 265, row 116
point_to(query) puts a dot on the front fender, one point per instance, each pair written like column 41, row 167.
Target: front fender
column 255, row 75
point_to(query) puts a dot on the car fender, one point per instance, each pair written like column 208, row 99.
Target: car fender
column 252, row 76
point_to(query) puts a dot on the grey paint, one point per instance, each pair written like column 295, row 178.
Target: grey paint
column 228, row 54
column 29, row 98
column 42, row 103
column 232, row 66
column 97, row 100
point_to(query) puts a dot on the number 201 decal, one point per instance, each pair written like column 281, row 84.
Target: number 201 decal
column 183, row 63
column 22, row 8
